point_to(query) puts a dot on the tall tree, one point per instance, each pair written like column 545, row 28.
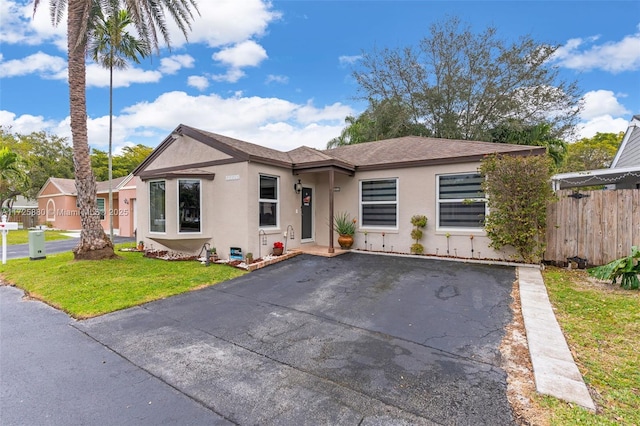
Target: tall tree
column 111, row 46
column 12, row 175
column 149, row 18
column 592, row 153
column 389, row 118
column 514, row 132
column 461, row 85
column 45, row 155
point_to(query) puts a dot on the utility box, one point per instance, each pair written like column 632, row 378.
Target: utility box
column 36, row 245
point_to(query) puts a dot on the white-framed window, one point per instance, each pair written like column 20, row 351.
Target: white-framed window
column 462, row 203
column 157, row 200
column 189, row 205
column 101, row 207
column 379, row 203
column 269, row 201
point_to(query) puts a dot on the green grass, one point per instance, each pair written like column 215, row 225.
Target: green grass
column 86, row 289
column 602, row 325
column 21, row 236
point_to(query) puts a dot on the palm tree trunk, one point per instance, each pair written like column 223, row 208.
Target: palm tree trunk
column 94, row 243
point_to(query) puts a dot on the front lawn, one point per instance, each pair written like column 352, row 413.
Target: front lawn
column 601, row 323
column 86, row 289
column 21, row 236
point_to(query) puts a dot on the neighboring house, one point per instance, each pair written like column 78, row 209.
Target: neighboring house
column 624, row 172
column 22, row 210
column 57, row 204
column 198, row 187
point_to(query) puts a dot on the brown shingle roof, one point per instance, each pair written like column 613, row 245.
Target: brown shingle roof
column 68, row 186
column 414, row 150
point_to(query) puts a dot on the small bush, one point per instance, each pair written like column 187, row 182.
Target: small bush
column 416, row 234
column 417, row 248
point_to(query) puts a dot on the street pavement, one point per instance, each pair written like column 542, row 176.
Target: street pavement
column 18, row 251
column 53, row 374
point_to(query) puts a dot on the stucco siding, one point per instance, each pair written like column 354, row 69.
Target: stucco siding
column 185, row 151
column 416, row 194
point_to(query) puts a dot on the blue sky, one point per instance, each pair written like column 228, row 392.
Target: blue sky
column 279, row 73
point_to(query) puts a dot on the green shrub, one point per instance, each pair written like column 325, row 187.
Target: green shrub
column 417, row 248
column 518, row 191
column 626, row 268
column 416, row 234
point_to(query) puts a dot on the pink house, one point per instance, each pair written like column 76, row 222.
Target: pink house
column 57, row 204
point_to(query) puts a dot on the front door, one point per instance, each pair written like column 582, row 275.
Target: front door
column 307, row 214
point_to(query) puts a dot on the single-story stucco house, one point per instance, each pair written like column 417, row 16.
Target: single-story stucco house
column 57, row 204
column 624, row 172
column 199, row 187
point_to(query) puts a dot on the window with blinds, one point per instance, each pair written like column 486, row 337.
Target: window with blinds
column 379, row 203
column 461, row 201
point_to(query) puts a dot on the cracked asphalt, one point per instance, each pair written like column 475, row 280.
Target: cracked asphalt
column 358, row 339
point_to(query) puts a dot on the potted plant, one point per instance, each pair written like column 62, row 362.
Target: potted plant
column 277, row 248
column 249, row 258
column 345, row 227
column 140, row 245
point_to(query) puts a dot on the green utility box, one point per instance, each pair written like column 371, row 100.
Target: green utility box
column 36, row 245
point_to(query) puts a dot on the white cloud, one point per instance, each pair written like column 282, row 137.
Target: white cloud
column 601, row 124
column 225, row 22
column 231, row 76
column 51, row 67
column 613, row 56
column 25, row 123
column 345, row 60
column 603, row 113
column 98, row 76
column 21, row 26
column 198, row 81
column 601, row 102
column 175, row 63
column 271, row 122
column 280, row 79
column 245, row 54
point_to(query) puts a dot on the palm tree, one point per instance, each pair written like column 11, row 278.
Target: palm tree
column 12, row 175
column 148, row 17
column 111, row 45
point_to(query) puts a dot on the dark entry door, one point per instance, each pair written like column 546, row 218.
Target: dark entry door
column 307, row 213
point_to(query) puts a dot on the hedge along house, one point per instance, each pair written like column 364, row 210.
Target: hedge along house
column 198, row 187
column 57, row 204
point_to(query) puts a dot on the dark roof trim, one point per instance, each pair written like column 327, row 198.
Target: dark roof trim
column 335, row 164
column 324, row 169
column 174, row 175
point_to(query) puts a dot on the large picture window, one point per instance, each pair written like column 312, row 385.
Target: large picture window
column 268, row 201
column 157, row 206
column 189, row 205
column 379, row 203
column 461, row 201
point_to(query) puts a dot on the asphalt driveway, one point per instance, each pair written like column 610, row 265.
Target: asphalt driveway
column 354, row 340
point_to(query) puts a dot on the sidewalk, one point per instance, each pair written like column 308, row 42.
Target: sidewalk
column 554, row 370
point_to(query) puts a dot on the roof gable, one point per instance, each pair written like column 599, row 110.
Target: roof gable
column 628, row 154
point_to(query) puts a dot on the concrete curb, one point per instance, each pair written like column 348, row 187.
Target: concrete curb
column 555, row 372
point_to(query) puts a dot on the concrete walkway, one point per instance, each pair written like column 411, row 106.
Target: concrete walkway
column 554, row 370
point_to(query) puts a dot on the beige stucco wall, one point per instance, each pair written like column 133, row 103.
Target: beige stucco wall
column 186, row 151
column 230, row 209
column 416, row 195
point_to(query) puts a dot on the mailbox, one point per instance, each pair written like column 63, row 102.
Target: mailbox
column 36, row 245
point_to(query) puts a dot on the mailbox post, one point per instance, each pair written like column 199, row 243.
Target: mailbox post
column 4, row 228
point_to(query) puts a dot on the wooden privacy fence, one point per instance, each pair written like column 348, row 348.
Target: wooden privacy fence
column 599, row 226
